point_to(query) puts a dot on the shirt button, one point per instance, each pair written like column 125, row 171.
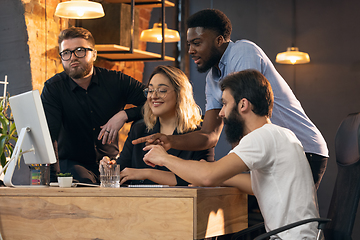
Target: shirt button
column 93, row 129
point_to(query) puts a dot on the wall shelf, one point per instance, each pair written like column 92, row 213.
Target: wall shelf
column 113, row 52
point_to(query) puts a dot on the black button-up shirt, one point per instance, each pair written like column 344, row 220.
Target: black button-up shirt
column 74, row 115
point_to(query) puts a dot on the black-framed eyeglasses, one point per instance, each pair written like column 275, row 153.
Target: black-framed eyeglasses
column 80, row 52
column 160, row 92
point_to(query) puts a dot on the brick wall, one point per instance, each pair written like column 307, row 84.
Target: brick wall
column 43, row 29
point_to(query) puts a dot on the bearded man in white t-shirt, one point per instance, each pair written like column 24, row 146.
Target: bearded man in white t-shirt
column 280, row 176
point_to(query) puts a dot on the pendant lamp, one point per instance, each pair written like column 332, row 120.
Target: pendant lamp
column 79, row 9
column 155, row 34
column 293, row 55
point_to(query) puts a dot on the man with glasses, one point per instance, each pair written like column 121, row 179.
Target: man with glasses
column 84, row 107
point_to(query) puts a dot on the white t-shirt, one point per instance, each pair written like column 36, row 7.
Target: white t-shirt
column 281, row 179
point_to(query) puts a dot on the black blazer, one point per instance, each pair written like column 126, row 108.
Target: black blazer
column 132, row 155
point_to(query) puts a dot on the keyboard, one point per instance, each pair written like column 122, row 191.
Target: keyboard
column 147, row 186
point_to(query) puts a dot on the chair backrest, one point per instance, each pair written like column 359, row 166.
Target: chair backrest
column 346, row 194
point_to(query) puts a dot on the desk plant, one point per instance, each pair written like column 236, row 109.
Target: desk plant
column 8, row 134
column 65, row 179
column 64, row 175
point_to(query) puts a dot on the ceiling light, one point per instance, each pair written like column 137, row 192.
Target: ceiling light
column 79, row 9
column 292, row 56
column 155, row 34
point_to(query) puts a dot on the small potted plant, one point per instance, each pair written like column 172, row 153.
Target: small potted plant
column 65, row 179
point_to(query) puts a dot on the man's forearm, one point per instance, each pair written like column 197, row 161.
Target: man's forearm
column 241, row 181
column 203, row 139
column 199, row 173
column 187, row 169
column 133, row 114
column 202, row 173
column 194, row 141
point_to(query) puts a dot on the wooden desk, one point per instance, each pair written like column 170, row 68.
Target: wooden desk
column 125, row 213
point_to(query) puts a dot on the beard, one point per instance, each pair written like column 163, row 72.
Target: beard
column 234, row 127
column 213, row 60
column 79, row 72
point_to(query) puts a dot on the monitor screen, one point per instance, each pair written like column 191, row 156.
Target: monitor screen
column 34, row 139
column 28, row 111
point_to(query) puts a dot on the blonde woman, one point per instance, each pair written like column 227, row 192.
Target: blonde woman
column 170, row 109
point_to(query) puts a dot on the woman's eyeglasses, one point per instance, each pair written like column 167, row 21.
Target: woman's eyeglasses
column 160, row 92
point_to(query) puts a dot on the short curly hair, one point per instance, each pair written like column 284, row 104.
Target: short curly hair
column 212, row 19
column 76, row 32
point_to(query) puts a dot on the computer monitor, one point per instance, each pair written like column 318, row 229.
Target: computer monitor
column 34, row 141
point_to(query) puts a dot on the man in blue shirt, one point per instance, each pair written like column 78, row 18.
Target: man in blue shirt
column 212, row 50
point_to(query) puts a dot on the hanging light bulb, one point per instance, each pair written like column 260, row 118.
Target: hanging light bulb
column 80, row 13
column 292, row 56
column 79, row 9
column 155, row 34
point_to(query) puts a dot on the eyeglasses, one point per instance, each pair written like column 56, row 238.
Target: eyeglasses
column 160, row 92
column 80, row 52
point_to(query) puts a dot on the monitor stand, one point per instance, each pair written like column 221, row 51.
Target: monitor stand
column 14, row 159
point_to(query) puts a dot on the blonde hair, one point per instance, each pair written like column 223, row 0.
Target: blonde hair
column 188, row 113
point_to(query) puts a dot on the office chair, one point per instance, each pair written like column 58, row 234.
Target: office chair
column 321, row 225
column 346, row 193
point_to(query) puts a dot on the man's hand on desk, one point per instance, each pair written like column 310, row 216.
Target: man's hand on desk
column 155, row 139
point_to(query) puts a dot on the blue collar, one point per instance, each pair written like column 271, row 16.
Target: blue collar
column 222, row 63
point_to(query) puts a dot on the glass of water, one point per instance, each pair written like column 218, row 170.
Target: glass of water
column 110, row 175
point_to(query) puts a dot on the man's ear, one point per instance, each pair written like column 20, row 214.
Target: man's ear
column 94, row 55
column 244, row 105
column 219, row 40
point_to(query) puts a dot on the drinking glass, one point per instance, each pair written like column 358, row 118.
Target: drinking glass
column 110, row 175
